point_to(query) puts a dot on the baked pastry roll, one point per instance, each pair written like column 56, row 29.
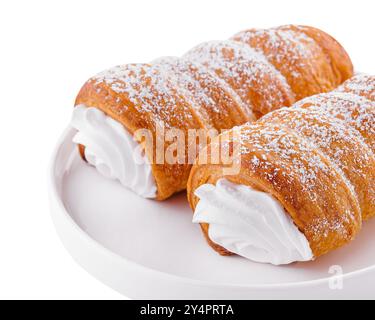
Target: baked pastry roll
column 215, row 86
column 305, row 183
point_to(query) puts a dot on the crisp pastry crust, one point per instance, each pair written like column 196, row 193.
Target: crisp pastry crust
column 219, row 85
column 355, row 111
column 311, row 60
column 316, row 158
column 362, row 85
column 140, row 96
column 218, row 104
column 340, row 144
column 258, row 83
column 338, row 58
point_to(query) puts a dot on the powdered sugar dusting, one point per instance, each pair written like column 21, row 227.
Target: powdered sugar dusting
column 249, row 83
column 323, row 143
column 343, row 147
column 150, row 90
column 274, row 140
column 257, row 82
column 210, row 96
column 356, row 112
column 294, row 166
column 281, row 44
column 362, row 85
column 292, row 52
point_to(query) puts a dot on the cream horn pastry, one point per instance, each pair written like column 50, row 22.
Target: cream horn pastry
column 215, row 86
column 305, row 183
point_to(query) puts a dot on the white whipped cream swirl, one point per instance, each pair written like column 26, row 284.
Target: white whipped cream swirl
column 250, row 223
column 113, row 151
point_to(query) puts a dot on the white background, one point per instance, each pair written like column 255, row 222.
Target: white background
column 48, row 49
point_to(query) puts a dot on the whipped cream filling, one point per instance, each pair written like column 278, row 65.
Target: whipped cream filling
column 113, row 151
column 250, row 223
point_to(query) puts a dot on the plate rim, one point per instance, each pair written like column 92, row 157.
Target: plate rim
column 55, row 198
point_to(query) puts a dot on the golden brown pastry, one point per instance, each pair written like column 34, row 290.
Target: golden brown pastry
column 216, row 85
column 315, row 61
column 306, row 179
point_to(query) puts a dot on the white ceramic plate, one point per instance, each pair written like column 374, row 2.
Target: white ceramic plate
column 149, row 249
